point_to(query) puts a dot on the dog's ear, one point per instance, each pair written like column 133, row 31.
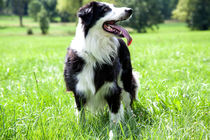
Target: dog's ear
column 86, row 12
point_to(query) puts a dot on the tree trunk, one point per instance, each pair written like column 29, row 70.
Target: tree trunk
column 21, row 20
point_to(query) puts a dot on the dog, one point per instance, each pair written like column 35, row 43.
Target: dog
column 98, row 68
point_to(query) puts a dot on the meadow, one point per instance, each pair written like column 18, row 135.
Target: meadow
column 174, row 100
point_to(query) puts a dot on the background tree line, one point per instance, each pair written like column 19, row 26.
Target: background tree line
column 195, row 12
column 147, row 13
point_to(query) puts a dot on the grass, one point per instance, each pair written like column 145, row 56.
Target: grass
column 174, row 67
column 9, row 25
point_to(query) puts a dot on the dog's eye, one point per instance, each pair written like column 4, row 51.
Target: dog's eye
column 106, row 9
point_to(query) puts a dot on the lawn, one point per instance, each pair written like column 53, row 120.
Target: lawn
column 174, row 100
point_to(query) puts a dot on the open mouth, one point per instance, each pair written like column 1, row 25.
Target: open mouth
column 113, row 28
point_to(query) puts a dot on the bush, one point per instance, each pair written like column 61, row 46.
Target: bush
column 67, row 17
column 43, row 21
column 34, row 8
column 198, row 17
column 29, row 31
column 64, row 16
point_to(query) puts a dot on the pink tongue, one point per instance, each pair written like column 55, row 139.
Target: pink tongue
column 124, row 33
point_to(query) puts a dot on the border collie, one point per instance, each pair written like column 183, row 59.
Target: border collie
column 98, row 67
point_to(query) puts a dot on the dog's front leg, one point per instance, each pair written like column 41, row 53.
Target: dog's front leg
column 80, row 103
column 115, row 108
column 114, row 101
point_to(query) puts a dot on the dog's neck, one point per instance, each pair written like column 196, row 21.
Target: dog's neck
column 96, row 46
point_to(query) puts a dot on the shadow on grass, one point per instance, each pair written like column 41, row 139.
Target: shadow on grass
column 131, row 127
column 142, row 115
column 3, row 27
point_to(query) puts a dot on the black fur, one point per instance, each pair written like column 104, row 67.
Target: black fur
column 102, row 73
column 73, row 65
column 106, row 73
column 91, row 13
column 127, row 78
column 80, row 100
column 113, row 99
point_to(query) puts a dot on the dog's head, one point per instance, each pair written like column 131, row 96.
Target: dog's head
column 102, row 17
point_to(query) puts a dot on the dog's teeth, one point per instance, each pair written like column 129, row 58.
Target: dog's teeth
column 109, row 28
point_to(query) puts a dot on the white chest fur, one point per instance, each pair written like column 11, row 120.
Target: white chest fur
column 95, row 99
column 85, row 79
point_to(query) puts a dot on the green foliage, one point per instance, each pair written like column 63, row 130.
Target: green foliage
column 69, row 8
column 7, row 7
column 34, row 8
column 65, row 16
column 167, row 7
column 43, row 21
column 195, row 12
column 147, row 14
column 29, row 31
column 18, row 8
column 108, row 1
column 50, row 7
column 198, row 16
column 1, row 5
column 72, row 6
column 181, row 10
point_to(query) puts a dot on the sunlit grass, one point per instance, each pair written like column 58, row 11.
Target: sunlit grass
column 174, row 67
column 9, row 25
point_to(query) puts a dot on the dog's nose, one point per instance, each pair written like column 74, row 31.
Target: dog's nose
column 129, row 11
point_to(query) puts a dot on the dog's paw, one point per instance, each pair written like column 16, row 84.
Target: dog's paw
column 111, row 135
column 116, row 117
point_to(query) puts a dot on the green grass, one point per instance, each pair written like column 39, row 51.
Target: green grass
column 174, row 67
column 9, row 25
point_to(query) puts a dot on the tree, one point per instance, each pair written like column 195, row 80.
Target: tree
column 167, row 7
column 198, row 14
column 43, row 21
column 34, row 8
column 181, row 10
column 7, row 7
column 65, row 16
column 18, row 7
column 1, row 5
column 147, row 14
column 71, row 6
column 50, row 7
column 195, row 12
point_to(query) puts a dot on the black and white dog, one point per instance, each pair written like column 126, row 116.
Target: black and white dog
column 98, row 67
